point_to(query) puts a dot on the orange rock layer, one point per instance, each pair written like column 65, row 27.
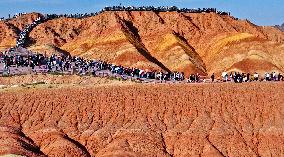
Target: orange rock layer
column 190, row 42
column 144, row 120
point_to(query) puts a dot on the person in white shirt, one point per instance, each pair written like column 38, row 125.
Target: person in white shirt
column 256, row 76
column 267, row 77
column 225, row 76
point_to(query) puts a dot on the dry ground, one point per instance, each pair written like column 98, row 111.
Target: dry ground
column 143, row 120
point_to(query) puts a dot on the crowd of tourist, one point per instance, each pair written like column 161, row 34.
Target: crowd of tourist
column 165, row 9
column 12, row 16
column 127, row 8
column 238, row 77
column 143, row 8
column 81, row 66
column 78, row 16
column 24, row 34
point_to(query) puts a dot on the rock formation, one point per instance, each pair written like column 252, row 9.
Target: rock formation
column 170, row 41
column 9, row 30
column 89, row 116
column 144, row 120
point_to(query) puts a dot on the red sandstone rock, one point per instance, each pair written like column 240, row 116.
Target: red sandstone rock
column 144, row 120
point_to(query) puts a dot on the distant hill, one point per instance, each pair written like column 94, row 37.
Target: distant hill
column 280, row 27
column 203, row 43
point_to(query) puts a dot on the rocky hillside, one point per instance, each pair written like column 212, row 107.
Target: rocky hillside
column 170, row 41
column 144, row 120
column 9, row 30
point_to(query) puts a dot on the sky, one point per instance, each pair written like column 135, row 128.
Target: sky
column 260, row 12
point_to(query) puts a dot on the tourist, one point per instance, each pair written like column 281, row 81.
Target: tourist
column 256, row 76
column 225, row 76
column 197, row 78
column 273, row 76
column 248, row 77
column 267, row 76
column 212, row 77
column 280, row 77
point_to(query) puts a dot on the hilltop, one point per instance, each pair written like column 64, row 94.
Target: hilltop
column 175, row 41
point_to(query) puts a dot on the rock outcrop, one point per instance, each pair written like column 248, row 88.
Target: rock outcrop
column 171, row 41
column 144, row 120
